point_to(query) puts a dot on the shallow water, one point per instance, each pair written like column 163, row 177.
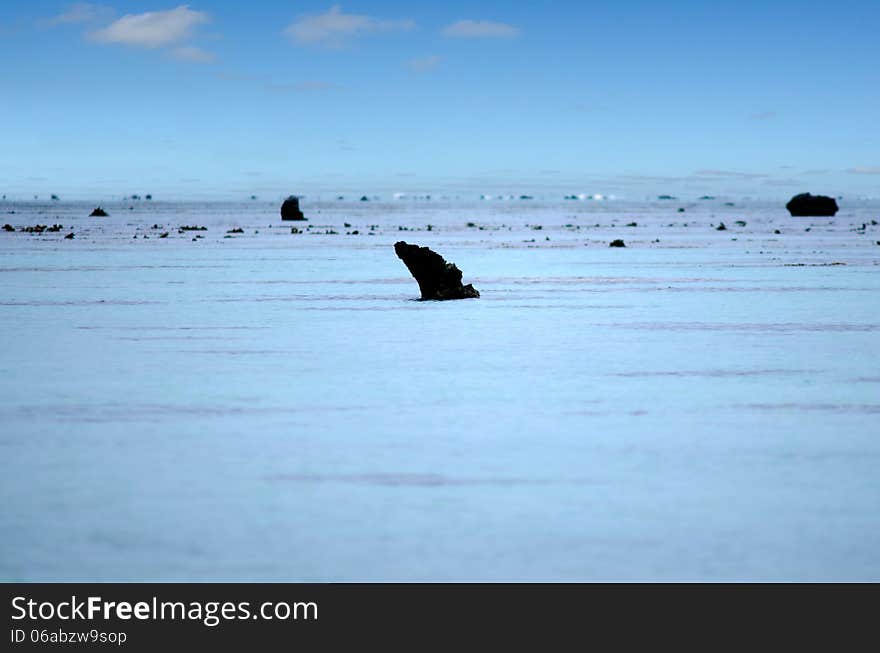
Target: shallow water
column 276, row 406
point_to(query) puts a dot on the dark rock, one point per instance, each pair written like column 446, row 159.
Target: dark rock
column 237, row 230
column 365, row 199
column 69, row 236
column 54, row 198
column 707, row 197
column 811, row 205
column 721, row 227
column 98, row 213
column 8, row 227
column 290, row 209
column 665, row 197
column 777, row 232
column 40, row 228
column 617, row 243
column 164, row 234
column 148, row 197
column 437, row 279
column 681, row 210
column 740, row 223
column 633, row 224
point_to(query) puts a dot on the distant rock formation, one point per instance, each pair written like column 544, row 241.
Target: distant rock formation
column 617, row 243
column 806, row 205
column 98, row 213
column 437, row 279
column 290, row 209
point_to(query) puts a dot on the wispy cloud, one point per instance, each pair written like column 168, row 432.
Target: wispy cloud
column 480, row 29
column 584, row 107
column 782, row 183
column 81, row 13
column 313, row 86
column 424, row 64
column 732, row 174
column 865, row 170
column 153, row 29
column 763, row 115
column 334, row 28
column 192, row 54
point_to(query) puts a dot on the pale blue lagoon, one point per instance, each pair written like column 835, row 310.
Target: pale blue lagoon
column 700, row 405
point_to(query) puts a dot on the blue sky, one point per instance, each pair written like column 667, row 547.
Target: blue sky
column 636, row 98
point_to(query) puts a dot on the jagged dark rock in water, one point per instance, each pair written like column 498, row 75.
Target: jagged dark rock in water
column 8, row 227
column 437, row 279
column 98, row 213
column 69, row 236
column 811, row 205
column 721, row 227
column 290, row 209
column 617, row 243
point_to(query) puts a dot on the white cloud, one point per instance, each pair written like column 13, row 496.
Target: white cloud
column 480, row 29
column 152, row 29
column 423, row 64
column 334, row 28
column 192, row 54
column 82, row 12
column 865, row 170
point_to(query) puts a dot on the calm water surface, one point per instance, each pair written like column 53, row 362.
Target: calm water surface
column 701, row 405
